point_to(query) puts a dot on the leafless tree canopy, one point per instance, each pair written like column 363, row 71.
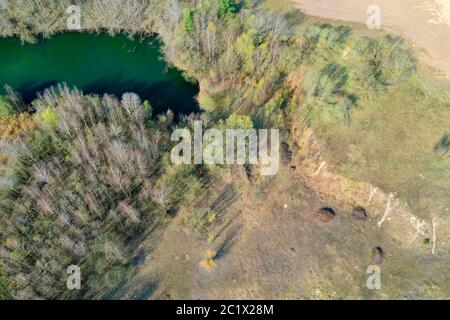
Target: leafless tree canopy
column 86, row 187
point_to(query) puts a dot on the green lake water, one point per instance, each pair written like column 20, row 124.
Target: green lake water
column 96, row 64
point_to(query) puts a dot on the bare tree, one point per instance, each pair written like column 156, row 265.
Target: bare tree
column 161, row 195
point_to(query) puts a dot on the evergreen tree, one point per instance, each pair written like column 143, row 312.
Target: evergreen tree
column 188, row 20
column 227, row 7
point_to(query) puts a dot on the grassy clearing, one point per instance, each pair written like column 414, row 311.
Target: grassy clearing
column 390, row 143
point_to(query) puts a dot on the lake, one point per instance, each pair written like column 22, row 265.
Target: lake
column 96, row 64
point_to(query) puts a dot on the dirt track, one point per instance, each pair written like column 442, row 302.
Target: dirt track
column 424, row 22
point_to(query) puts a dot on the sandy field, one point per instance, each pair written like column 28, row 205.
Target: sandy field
column 426, row 23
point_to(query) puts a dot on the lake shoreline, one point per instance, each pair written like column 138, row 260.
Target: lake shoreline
column 97, row 64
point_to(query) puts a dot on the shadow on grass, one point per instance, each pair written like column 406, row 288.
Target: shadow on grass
column 228, row 242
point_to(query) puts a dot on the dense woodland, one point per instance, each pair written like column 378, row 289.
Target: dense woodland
column 91, row 183
column 92, row 175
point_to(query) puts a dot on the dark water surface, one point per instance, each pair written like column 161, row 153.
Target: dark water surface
column 96, row 64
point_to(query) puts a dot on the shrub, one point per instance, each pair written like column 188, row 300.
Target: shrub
column 322, row 39
column 442, row 148
column 239, row 122
column 49, row 117
column 323, row 84
column 388, row 58
column 5, row 288
column 188, row 20
column 5, row 108
column 227, row 7
column 245, row 48
column 16, row 125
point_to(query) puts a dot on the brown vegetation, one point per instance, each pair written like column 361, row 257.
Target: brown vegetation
column 325, row 214
column 16, row 125
column 360, row 213
column 378, row 255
